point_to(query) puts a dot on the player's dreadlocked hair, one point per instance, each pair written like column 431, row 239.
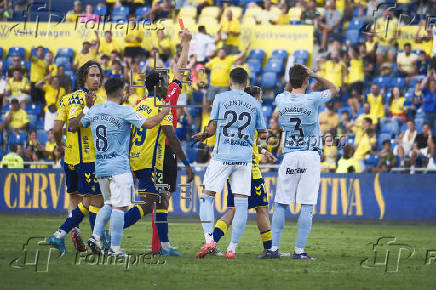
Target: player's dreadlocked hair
column 82, row 72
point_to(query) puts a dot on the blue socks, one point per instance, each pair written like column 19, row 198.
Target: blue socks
column 74, row 219
column 162, row 228
column 207, row 214
column 101, row 220
column 116, row 227
column 132, row 216
column 239, row 221
column 278, row 223
column 304, row 227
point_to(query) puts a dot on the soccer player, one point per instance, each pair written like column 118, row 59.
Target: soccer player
column 148, row 150
column 110, row 125
column 235, row 116
column 300, row 172
column 79, row 157
column 258, row 198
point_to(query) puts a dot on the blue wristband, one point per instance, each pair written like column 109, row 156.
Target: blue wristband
column 186, row 162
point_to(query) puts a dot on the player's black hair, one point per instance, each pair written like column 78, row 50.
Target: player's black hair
column 348, row 151
column 239, row 75
column 386, row 141
column 201, row 28
column 82, row 72
column 13, row 147
column 253, row 90
column 113, row 85
column 407, row 44
column 152, row 80
column 297, row 75
column 14, row 102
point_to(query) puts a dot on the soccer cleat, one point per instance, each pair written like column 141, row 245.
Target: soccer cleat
column 95, row 245
column 218, row 253
column 302, row 256
column 106, row 242
column 117, row 253
column 230, row 255
column 78, row 242
column 58, row 244
column 209, row 248
column 268, row 254
column 170, row 252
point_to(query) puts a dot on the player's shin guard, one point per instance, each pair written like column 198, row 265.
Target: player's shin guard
column 266, row 238
column 304, row 227
column 116, row 227
column 239, row 221
column 278, row 223
column 132, row 216
column 92, row 214
column 101, row 220
column 220, row 230
column 74, row 219
column 207, row 214
column 162, row 225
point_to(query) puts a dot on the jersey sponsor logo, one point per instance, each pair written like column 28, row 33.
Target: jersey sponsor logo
column 236, row 142
column 144, row 108
column 235, row 163
column 106, row 156
column 295, row 170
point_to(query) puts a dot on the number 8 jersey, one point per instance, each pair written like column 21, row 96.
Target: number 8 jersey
column 238, row 115
column 298, row 115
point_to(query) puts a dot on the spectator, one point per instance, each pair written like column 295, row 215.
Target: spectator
column 427, row 40
column 310, row 14
column 105, row 64
column 273, row 141
column 428, row 87
column 219, row 68
column 163, row 45
column 38, row 70
column 345, row 124
column 417, row 97
column 405, row 142
column 89, row 17
column 328, row 120
column 53, row 92
column 387, row 159
column 57, row 158
column 16, row 120
column 386, row 33
column 334, row 69
column 3, row 84
column 330, row 151
column 406, row 62
column 18, row 88
column 37, row 156
column 356, row 73
column 396, row 104
column 154, row 60
column 376, row 102
column 354, row 100
column 49, row 117
column 160, row 10
column 51, row 65
column 33, row 145
column 369, row 61
column 229, row 33
column 202, row 46
column 285, row 15
column 269, row 15
column 422, row 64
column 64, row 81
column 12, row 159
column 133, row 39
column 329, row 24
column 365, row 145
column 348, row 163
column 138, row 77
column 17, row 64
column 362, row 124
column 88, row 53
column 50, row 146
column 133, row 97
column 116, row 71
column 107, row 44
column 74, row 14
column 423, row 148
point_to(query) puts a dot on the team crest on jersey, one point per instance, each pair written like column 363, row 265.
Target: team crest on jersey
column 73, row 110
column 324, row 94
column 170, row 118
column 138, row 117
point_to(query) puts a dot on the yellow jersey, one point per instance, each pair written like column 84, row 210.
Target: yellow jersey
column 333, row 72
column 397, row 106
column 108, row 47
column 364, row 146
column 233, row 26
column 148, row 145
column 220, row 70
column 205, row 118
column 377, row 109
column 15, row 87
column 52, row 95
column 356, row 72
column 82, row 58
column 386, row 29
column 38, row 68
column 135, row 33
column 344, row 164
column 18, row 119
column 255, row 171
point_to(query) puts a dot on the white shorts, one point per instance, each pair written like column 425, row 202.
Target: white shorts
column 239, row 174
column 299, row 177
column 118, row 189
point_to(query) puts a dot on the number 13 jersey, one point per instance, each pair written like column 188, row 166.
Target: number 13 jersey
column 298, row 115
column 238, row 115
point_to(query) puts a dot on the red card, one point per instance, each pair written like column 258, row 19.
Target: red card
column 182, row 27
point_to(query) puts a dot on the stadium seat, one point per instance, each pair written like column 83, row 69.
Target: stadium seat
column 34, row 109
column 188, row 12
column 17, row 139
column 42, row 136
column 267, row 111
column 27, row 64
column 206, row 21
column 32, row 120
column 274, row 65
column 40, row 124
column 391, row 127
column 6, row 108
column 100, row 10
column 255, row 65
column 353, row 36
column 381, row 138
column 269, row 80
column 46, row 50
column 398, row 82
column 210, row 11
column 236, row 12
column 418, row 124
column 382, row 82
column 1, row 52
column 62, row 61
column 257, row 54
column 280, row 54
column 371, row 161
column 21, row 51
column 345, row 108
column 120, row 13
column 294, row 22
column 65, row 52
column 415, row 80
column 140, row 12
column 301, row 56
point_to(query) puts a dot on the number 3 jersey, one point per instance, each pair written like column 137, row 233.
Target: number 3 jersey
column 148, row 145
column 298, row 115
column 238, row 115
column 110, row 126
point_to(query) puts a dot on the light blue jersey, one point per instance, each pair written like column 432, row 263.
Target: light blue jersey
column 298, row 115
column 110, row 125
column 238, row 115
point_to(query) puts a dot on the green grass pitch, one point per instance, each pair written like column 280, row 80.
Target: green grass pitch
column 339, row 247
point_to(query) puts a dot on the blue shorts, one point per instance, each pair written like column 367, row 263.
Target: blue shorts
column 88, row 183
column 257, row 198
column 146, row 182
column 71, row 178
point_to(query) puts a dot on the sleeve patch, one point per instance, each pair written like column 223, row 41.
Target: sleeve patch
column 73, row 110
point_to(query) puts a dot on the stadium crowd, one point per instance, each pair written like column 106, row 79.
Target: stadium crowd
column 385, row 116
